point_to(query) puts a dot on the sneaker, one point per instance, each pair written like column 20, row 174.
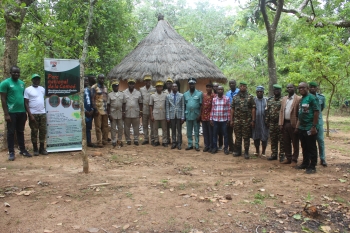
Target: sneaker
column 11, row 156
column 310, row 170
column 25, row 153
column 220, row 148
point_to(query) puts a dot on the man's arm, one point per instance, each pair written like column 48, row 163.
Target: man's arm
column 26, row 105
column 4, row 106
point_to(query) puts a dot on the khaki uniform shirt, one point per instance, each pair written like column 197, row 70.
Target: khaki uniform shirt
column 115, row 99
column 158, row 103
column 146, row 94
column 132, row 101
column 167, row 92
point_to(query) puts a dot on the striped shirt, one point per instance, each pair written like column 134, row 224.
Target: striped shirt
column 220, row 110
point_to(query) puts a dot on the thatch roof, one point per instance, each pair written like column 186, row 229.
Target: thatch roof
column 163, row 54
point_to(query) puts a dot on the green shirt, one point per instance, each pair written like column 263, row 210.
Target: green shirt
column 14, row 91
column 307, row 107
column 193, row 104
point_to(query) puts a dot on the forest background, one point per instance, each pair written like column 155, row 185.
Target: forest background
column 311, row 41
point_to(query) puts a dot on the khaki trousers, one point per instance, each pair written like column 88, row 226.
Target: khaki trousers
column 164, row 130
column 101, row 128
column 135, row 122
column 120, row 124
column 145, row 120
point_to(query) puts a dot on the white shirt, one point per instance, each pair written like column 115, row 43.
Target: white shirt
column 288, row 108
column 35, row 95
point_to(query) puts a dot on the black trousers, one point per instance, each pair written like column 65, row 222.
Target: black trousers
column 308, row 145
column 18, row 121
column 176, row 131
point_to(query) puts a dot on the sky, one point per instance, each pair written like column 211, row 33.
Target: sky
column 222, row 3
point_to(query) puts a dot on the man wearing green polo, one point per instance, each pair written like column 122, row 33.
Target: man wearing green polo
column 12, row 100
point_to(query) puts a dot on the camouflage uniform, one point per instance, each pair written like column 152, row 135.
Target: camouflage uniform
column 272, row 117
column 242, row 103
column 38, row 125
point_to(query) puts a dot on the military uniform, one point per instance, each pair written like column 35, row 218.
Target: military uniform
column 146, row 93
column 115, row 100
column 320, row 133
column 168, row 124
column 132, row 113
column 158, row 103
column 242, row 104
column 272, row 118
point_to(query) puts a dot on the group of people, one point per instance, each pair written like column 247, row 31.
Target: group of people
column 285, row 120
column 18, row 104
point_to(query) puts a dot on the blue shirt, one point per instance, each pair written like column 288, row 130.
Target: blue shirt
column 231, row 94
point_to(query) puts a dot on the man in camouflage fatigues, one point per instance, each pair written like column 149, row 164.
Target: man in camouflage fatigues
column 272, row 118
column 242, row 119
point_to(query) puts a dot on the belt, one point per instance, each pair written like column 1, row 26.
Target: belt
column 286, row 121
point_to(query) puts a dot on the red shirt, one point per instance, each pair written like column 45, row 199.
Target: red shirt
column 206, row 106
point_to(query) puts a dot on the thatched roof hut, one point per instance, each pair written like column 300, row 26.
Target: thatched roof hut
column 163, row 54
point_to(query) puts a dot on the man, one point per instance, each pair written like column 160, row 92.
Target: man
column 12, row 101
column 272, row 118
column 35, row 106
column 320, row 134
column 219, row 118
column 99, row 95
column 175, row 114
column 307, row 127
column 242, row 119
column 167, row 91
column 89, row 111
column 157, row 111
column 114, row 109
column 230, row 94
column 288, row 118
column 132, row 111
column 193, row 103
column 92, row 79
column 205, row 118
column 146, row 92
column 260, row 131
column 221, row 136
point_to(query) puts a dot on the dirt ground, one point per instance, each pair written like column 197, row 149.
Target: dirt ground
column 156, row 189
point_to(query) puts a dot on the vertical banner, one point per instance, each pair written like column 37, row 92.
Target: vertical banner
column 62, row 86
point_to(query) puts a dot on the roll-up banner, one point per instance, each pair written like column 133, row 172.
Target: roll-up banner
column 62, row 86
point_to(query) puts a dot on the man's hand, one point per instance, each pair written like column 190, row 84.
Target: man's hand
column 212, row 123
column 110, row 118
column 281, row 128
column 140, row 114
column 31, row 118
column 231, row 123
column 96, row 113
column 252, row 124
column 168, row 121
column 198, row 118
column 296, row 130
column 7, row 118
column 182, row 121
column 313, row 131
column 152, row 118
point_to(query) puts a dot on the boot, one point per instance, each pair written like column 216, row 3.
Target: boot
column 273, row 157
column 246, row 153
column 42, row 149
column 282, row 158
column 238, row 152
column 35, row 149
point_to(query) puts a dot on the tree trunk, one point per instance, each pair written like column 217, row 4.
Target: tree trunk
column 271, row 29
column 82, row 110
column 13, row 15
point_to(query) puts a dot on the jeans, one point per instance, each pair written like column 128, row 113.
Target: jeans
column 18, row 121
column 220, row 128
column 207, row 134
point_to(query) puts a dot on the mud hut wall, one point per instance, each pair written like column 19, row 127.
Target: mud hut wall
column 200, row 85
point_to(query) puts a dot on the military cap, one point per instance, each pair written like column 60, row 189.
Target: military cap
column 169, row 80
column 192, row 80
column 260, row 88
column 243, row 83
column 277, row 86
column 131, row 80
column 35, row 76
column 115, row 82
column 313, row 83
column 147, row 77
column 159, row 83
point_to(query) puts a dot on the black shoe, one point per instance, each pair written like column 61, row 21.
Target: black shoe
column 156, row 144
column 214, row 150
column 43, row 151
column 165, row 144
column 226, row 152
column 237, row 153
column 189, row 148
column 246, row 154
column 197, row 148
column 128, row 143
column 36, row 152
column 114, row 144
column 25, row 153
column 145, row 142
column 11, row 156
column 206, row 149
column 324, row 163
column 136, row 143
column 91, row 145
column 109, row 139
column 179, row 146
column 173, row 146
column 282, row 158
column 273, row 157
column 310, row 170
column 301, row 166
